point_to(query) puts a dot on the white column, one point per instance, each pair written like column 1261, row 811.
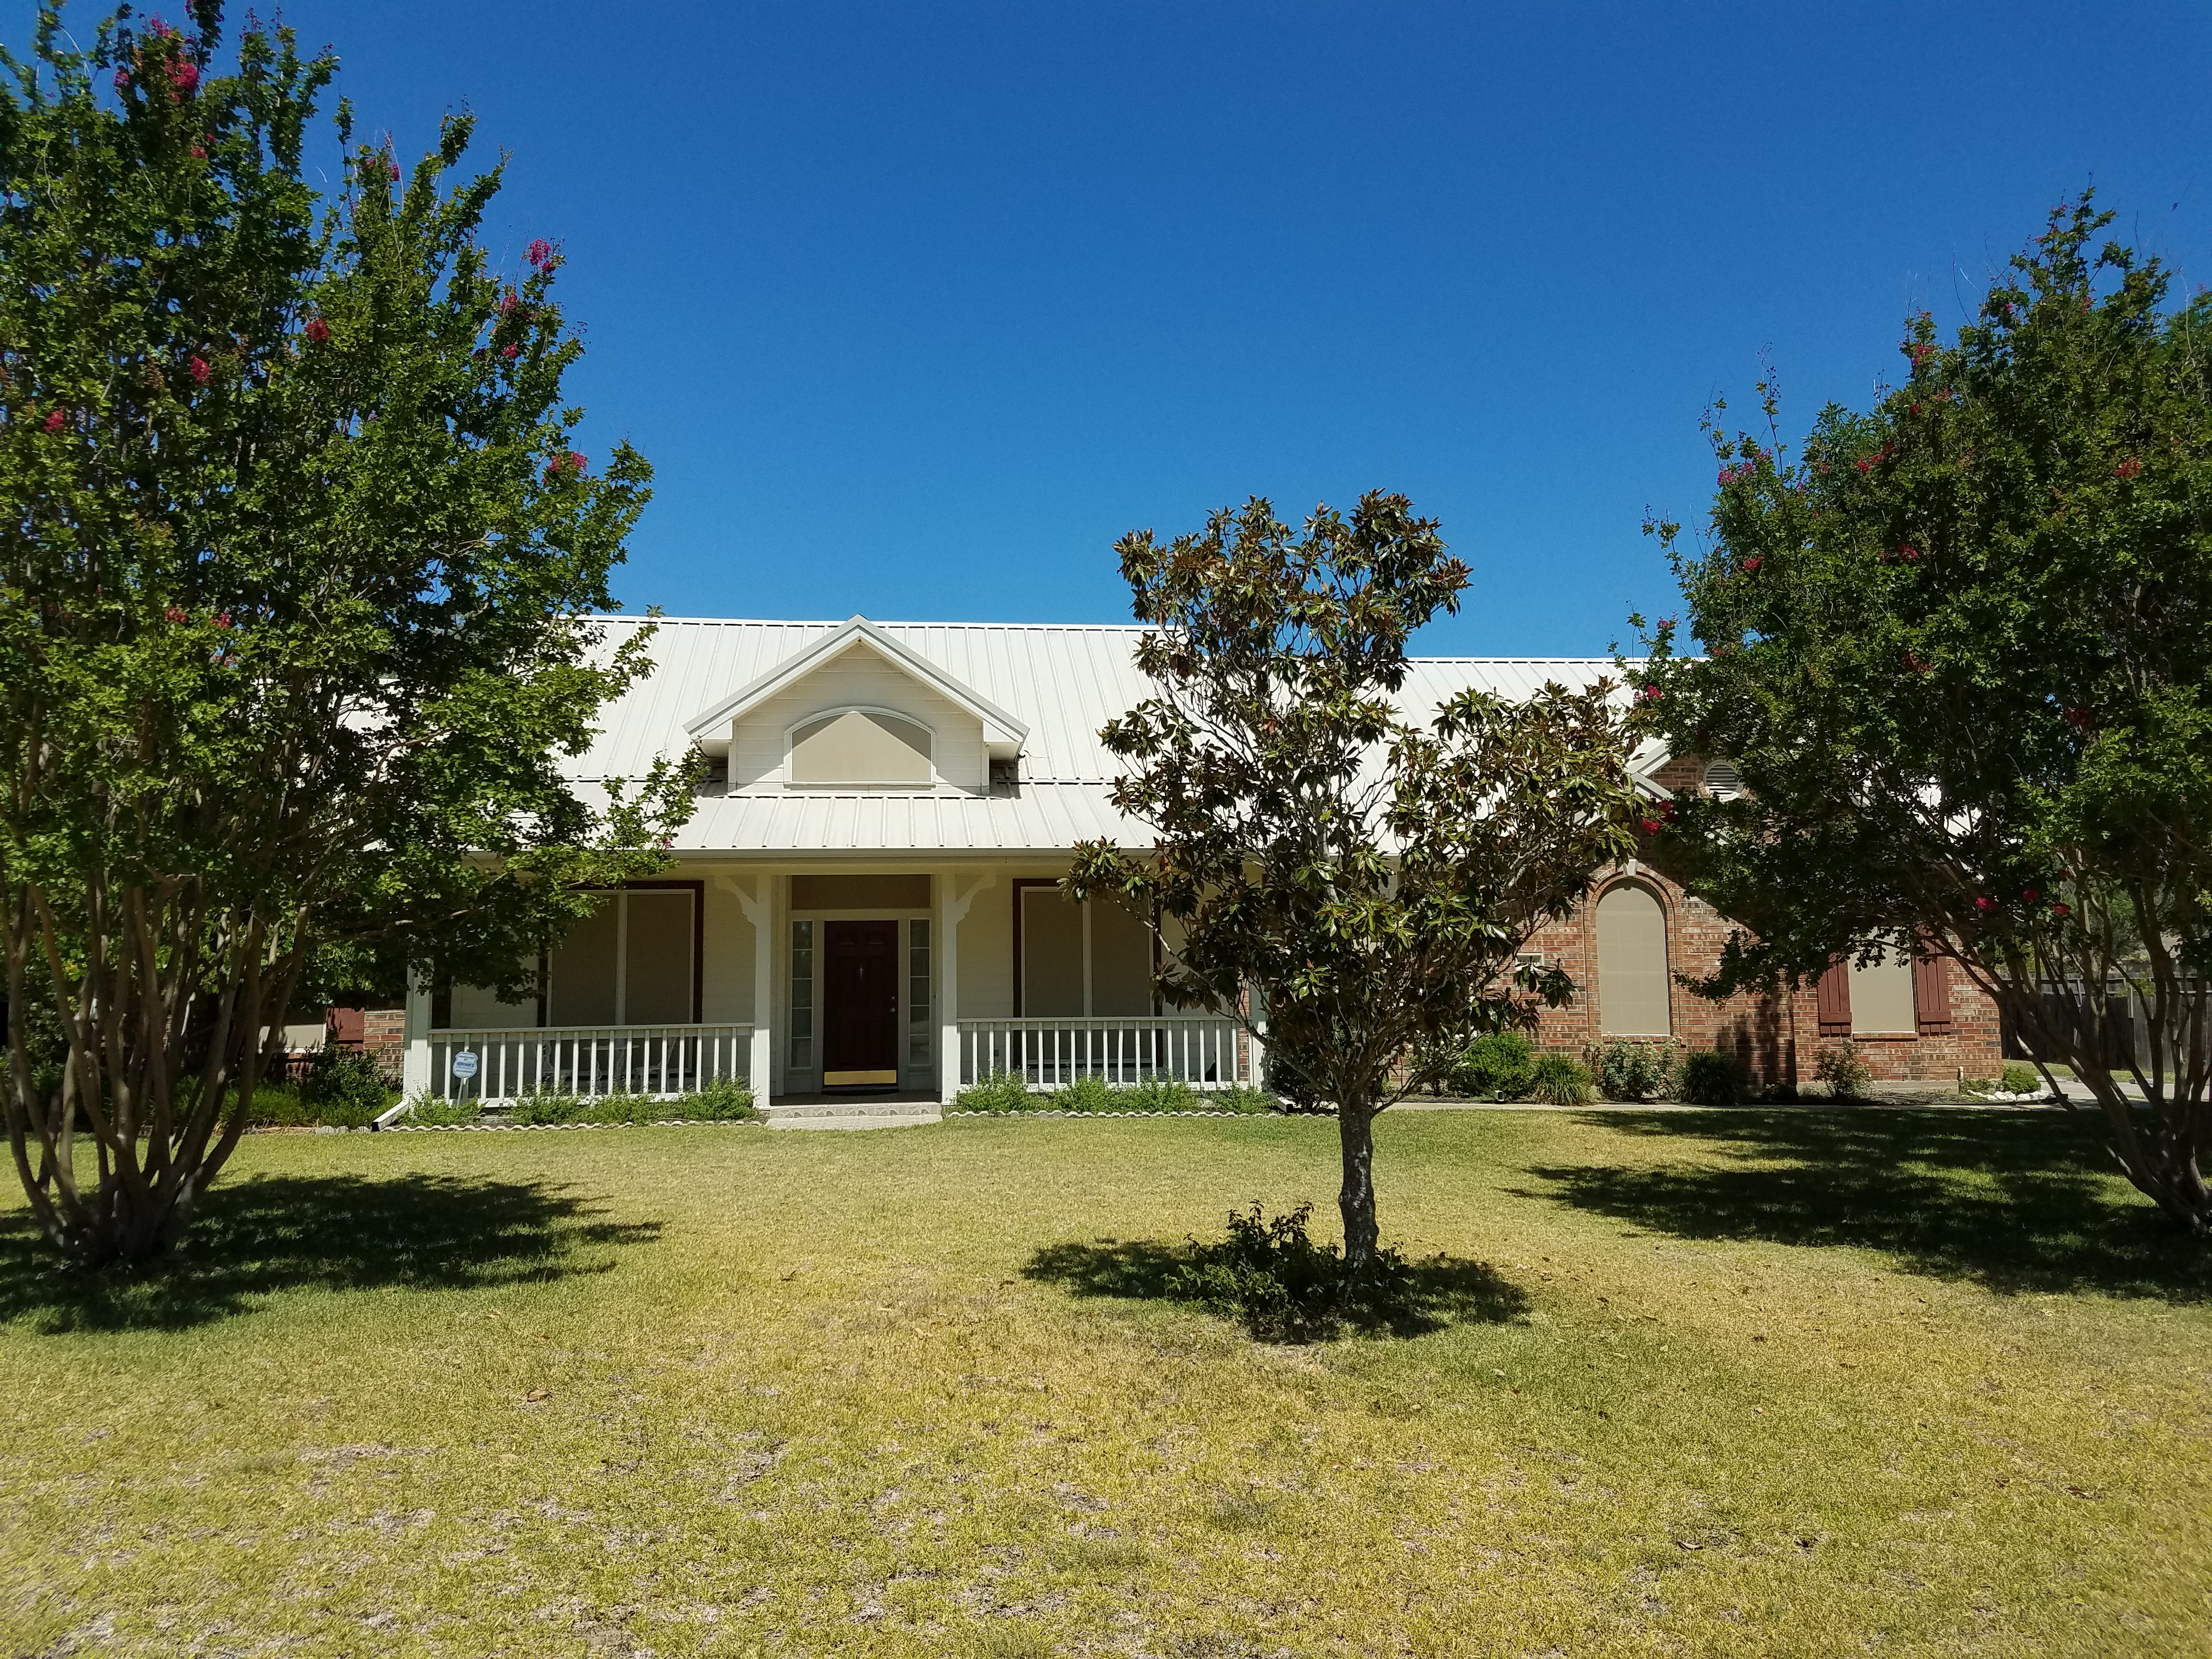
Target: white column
column 415, row 1067
column 759, row 906
column 951, row 910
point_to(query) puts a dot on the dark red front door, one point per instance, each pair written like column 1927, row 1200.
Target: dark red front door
column 860, row 994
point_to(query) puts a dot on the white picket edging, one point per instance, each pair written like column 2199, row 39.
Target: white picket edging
column 589, row 1059
column 1203, row 1051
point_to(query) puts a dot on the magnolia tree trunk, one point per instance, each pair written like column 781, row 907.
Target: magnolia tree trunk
column 1355, row 1200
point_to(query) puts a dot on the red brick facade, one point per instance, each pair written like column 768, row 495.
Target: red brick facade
column 1777, row 1039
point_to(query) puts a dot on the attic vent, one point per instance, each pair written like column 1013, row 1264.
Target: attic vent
column 1723, row 782
column 861, row 745
column 1006, row 776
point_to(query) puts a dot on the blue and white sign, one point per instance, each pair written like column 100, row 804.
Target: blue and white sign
column 464, row 1064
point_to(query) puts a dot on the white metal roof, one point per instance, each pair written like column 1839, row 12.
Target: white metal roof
column 1062, row 681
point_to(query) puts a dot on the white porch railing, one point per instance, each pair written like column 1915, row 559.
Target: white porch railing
column 1203, row 1052
column 589, row 1059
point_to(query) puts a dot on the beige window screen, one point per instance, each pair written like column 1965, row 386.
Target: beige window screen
column 1881, row 997
column 1061, row 941
column 629, row 962
column 1633, row 998
column 860, row 746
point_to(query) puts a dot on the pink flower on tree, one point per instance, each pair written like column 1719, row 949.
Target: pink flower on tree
column 122, row 80
column 508, row 351
column 1863, row 465
column 2062, row 909
column 1649, row 826
column 1985, row 902
column 199, row 370
column 509, row 301
column 1909, row 553
column 576, row 463
column 317, row 330
column 539, row 254
column 58, row 420
column 185, row 75
column 2127, row 469
column 1751, row 565
column 172, row 615
column 222, row 619
column 392, row 169
column 2028, row 895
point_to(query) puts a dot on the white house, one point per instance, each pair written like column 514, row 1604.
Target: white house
column 866, row 897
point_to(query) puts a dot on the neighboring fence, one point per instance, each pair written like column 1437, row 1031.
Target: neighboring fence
column 1047, row 1053
column 2126, row 1024
column 589, row 1059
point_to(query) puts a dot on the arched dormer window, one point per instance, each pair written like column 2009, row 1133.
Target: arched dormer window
column 1633, row 992
column 872, row 747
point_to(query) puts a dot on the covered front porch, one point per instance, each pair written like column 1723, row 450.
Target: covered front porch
column 807, row 980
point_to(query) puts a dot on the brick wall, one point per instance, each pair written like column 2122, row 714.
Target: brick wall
column 1777, row 1038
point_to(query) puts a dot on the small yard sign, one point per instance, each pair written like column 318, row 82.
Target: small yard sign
column 465, row 1065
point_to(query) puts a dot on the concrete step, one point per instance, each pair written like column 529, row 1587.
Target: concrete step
column 861, row 1113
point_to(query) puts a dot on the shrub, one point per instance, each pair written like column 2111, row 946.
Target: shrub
column 1843, row 1069
column 1160, row 1093
column 1269, row 1273
column 277, row 1106
column 1242, row 1098
column 1085, row 1094
column 1710, row 1078
column 1001, row 1091
column 432, row 1112
column 346, row 1086
column 1495, row 1068
column 2020, row 1079
column 1632, row 1071
column 1559, row 1081
column 724, row 1100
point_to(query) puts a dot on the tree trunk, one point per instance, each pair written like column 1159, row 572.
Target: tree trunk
column 1355, row 1129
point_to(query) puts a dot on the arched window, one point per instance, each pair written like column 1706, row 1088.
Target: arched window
column 861, row 745
column 1632, row 991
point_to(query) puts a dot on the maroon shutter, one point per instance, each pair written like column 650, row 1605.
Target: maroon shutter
column 345, row 1026
column 1835, row 1001
column 1931, row 995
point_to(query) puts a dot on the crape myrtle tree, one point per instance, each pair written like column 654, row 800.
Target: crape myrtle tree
column 1324, row 869
column 1959, row 648
column 293, row 539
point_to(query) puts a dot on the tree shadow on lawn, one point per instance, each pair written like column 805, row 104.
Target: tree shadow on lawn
column 2016, row 1201
column 268, row 1234
column 1404, row 1299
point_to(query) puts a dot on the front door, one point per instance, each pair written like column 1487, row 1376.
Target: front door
column 860, row 994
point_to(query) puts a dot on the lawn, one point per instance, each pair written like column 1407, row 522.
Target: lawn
column 1756, row 1383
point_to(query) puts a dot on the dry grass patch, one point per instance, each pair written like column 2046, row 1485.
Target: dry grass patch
column 1784, row 1383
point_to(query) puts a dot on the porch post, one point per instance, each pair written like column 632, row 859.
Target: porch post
column 759, row 906
column 415, row 1065
column 952, row 909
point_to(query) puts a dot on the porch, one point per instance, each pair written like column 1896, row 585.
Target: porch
column 802, row 983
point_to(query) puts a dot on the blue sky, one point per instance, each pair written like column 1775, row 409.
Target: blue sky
column 916, row 307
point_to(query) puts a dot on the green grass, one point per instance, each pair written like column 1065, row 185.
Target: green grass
column 1772, row 1383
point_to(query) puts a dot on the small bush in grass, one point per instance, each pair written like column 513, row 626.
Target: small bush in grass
column 1843, row 1069
column 1632, row 1071
column 1499, row 1066
column 724, row 1100
column 1710, row 1078
column 1559, row 1081
column 1001, row 1091
column 2020, row 1079
column 1269, row 1273
column 279, row 1106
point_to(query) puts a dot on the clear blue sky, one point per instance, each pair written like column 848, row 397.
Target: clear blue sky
column 916, row 307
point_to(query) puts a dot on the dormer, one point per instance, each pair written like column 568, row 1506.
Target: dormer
column 856, row 711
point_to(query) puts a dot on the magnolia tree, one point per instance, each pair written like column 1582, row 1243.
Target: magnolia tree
column 1959, row 646
column 294, row 533
column 1355, row 885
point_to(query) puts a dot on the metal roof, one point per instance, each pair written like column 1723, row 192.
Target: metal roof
column 1064, row 681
